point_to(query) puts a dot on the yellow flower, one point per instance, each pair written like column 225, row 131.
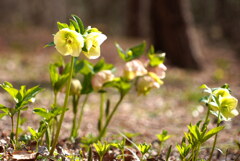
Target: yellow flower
column 228, row 107
column 225, row 103
column 92, row 43
column 220, row 92
column 68, row 42
column 133, row 69
column 100, row 78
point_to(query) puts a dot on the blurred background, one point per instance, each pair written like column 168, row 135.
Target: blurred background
column 201, row 40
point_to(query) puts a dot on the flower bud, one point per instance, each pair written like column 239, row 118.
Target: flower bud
column 76, row 87
column 93, row 41
column 68, row 42
column 133, row 69
column 100, row 78
column 158, row 70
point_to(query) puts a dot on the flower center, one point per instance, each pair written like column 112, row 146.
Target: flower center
column 69, row 40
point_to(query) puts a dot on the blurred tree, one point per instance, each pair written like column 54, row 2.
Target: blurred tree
column 172, row 32
column 228, row 18
column 133, row 18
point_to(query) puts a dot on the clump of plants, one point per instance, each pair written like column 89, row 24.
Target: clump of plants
column 143, row 71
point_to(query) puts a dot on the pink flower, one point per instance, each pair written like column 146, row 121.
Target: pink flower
column 133, row 69
column 158, row 70
column 100, row 78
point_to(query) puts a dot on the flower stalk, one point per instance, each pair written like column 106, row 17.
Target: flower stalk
column 103, row 131
column 64, row 108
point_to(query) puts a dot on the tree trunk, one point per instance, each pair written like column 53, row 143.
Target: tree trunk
column 172, row 32
column 133, row 18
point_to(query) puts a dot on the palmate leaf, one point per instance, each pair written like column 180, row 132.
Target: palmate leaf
column 120, row 84
column 84, row 67
column 131, row 53
column 102, row 65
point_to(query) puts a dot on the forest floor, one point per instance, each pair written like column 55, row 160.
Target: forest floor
column 172, row 107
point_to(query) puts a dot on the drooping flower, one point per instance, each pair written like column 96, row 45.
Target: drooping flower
column 68, row 42
column 228, row 107
column 159, row 70
column 93, row 41
column 133, row 69
column 223, row 102
column 100, row 78
column 148, row 82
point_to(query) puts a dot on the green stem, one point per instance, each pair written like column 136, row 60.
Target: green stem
column 64, row 108
column 55, row 99
column 48, row 137
column 102, row 97
column 74, row 121
column 215, row 139
column 17, row 126
column 206, row 119
column 12, row 133
column 123, row 155
column 103, row 131
column 81, row 112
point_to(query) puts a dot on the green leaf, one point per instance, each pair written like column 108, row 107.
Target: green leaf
column 102, row 65
column 84, row 67
column 62, row 25
column 131, row 53
column 41, row 112
column 75, row 25
column 53, row 74
column 163, row 136
column 11, row 91
column 155, row 58
column 212, row 132
column 49, row 44
column 2, row 115
column 4, row 108
column 138, row 50
column 31, row 93
column 61, row 82
column 80, row 23
column 33, row 132
column 120, row 84
column 86, row 84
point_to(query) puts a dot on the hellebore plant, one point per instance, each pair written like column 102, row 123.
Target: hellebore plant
column 71, row 40
column 221, row 104
column 22, row 98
